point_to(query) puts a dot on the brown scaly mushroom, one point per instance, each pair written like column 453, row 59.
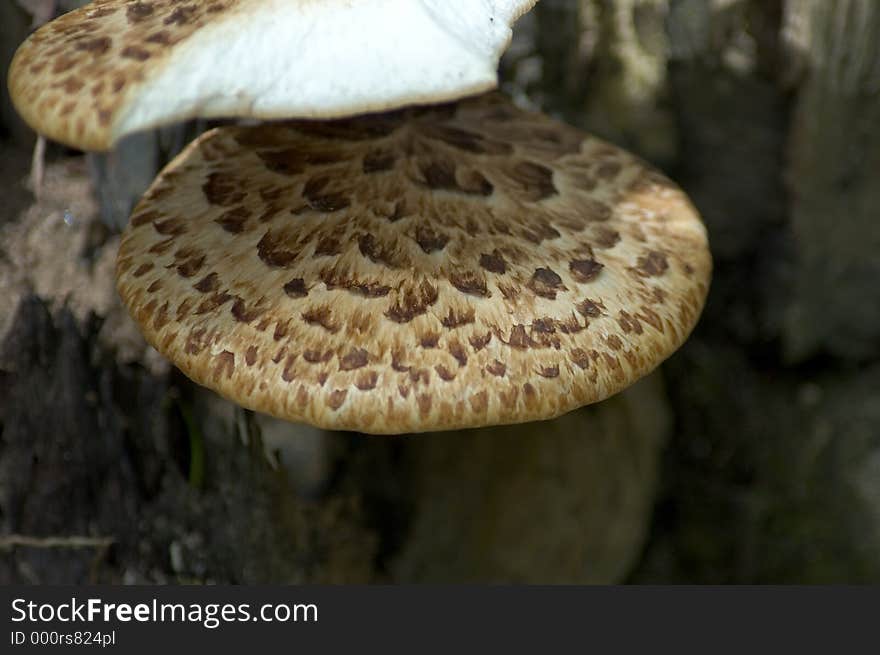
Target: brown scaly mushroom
column 437, row 268
column 118, row 66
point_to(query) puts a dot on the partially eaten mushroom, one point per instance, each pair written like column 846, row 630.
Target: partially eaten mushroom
column 435, row 268
column 115, row 67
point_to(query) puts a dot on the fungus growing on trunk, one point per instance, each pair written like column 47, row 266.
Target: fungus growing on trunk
column 115, row 67
column 437, row 267
column 434, row 268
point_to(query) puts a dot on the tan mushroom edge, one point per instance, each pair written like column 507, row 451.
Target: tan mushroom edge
column 439, row 268
column 74, row 77
column 86, row 78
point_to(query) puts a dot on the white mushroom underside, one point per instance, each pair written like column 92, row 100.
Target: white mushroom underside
column 116, row 67
column 309, row 59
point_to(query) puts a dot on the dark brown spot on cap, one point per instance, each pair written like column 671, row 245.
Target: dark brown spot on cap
column 296, row 288
column 191, row 266
column 444, row 373
column 508, row 398
column 328, row 246
column 454, row 319
column 170, row 226
column 399, row 211
column 288, row 374
column 479, row 342
column 412, row 302
column 212, row 302
column 530, row 395
column 96, row 46
column 590, row 308
column 329, row 203
column 463, row 139
column 594, row 210
column 162, row 37
column 138, row 11
column 429, row 340
column 469, row 282
column 519, row 338
column 195, row 341
column 136, row 53
column 181, row 15
column 375, row 251
column 281, row 328
column 366, row 380
column 429, row 240
column 335, row 279
column 546, row 325
column 546, row 283
column 397, row 362
column 162, row 246
column 474, row 183
column 539, row 231
column 209, row 283
column 284, row 162
column 143, row 269
column 549, row 371
column 457, row 351
column 580, row 358
column 651, row 317
column 233, row 220
column 629, row 323
column 419, row 376
column 653, row 264
column 494, row 263
column 439, row 174
column 534, row 180
column 585, row 270
column 378, row 160
column 479, row 402
column 357, row 358
column 100, row 12
column 605, row 237
column 272, row 249
column 225, row 365
column 424, row 402
column 336, row 398
column 313, row 356
column 243, row 314
column 222, row 189
column 322, row 316
column 63, row 64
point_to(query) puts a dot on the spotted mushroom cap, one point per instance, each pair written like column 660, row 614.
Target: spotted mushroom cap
column 445, row 267
column 118, row 66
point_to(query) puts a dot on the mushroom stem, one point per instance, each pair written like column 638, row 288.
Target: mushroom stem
column 38, row 166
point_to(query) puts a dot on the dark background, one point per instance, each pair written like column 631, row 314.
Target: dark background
column 751, row 456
